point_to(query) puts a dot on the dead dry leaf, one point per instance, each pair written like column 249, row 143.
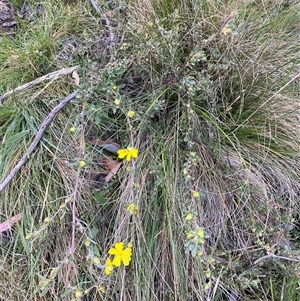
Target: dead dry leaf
column 76, row 77
column 108, row 145
column 110, row 14
column 7, row 224
column 112, row 172
column 108, row 162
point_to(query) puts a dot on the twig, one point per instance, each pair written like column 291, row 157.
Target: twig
column 95, row 6
column 37, row 139
column 52, row 75
column 274, row 256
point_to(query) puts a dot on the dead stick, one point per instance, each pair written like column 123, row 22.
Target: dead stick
column 52, row 75
column 95, row 6
column 37, row 139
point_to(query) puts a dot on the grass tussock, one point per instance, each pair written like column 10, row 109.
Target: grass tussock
column 208, row 95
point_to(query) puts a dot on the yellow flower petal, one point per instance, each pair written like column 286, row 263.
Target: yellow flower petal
column 226, row 30
column 78, row 294
column 117, row 261
column 133, row 152
column 200, row 232
column 190, row 235
column 201, row 240
column 196, row 194
column 189, row 217
column 128, row 156
column 117, row 101
column 122, row 153
column 82, row 163
column 101, row 288
column 126, row 256
column 130, row 114
column 108, row 266
column 119, row 246
column 133, row 209
column 96, row 260
column 117, row 250
column 72, row 130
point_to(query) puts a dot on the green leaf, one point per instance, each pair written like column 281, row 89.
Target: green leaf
column 194, row 251
column 99, row 198
column 94, row 232
column 96, row 251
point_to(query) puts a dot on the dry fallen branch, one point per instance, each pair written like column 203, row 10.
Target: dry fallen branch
column 52, row 75
column 37, row 139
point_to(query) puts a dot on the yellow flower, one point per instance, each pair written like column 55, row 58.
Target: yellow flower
column 130, row 114
column 189, row 217
column 190, row 235
column 117, row 101
column 196, row 194
column 121, row 254
column 207, row 286
column 53, row 272
column 101, row 288
column 43, row 282
column 201, row 236
column 72, row 130
column 201, row 232
column 201, row 240
column 211, row 260
column 62, row 206
column 87, row 243
column 29, row 236
column 128, row 153
column 78, row 294
column 200, row 253
column 123, row 46
column 67, row 201
column 82, row 163
column 114, row 88
column 108, row 266
column 133, row 209
column 96, row 260
column 47, row 220
column 226, row 30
